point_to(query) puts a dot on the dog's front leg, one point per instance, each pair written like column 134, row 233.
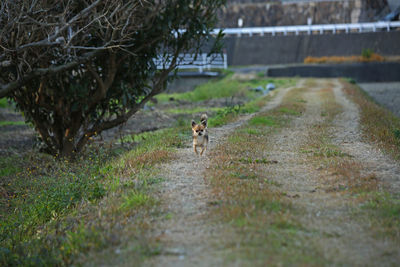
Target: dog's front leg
column 202, row 150
column 195, row 149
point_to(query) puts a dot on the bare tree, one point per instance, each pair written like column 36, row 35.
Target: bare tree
column 76, row 68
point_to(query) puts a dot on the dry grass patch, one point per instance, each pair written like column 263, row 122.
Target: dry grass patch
column 310, row 82
column 373, row 57
column 378, row 124
column 330, row 107
column 293, row 103
column 348, row 177
column 146, row 160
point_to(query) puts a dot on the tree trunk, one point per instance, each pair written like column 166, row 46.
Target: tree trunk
column 68, row 149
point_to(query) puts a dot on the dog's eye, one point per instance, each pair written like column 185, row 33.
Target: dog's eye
column 197, row 131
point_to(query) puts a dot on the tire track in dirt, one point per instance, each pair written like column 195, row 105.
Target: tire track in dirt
column 349, row 137
column 341, row 239
column 189, row 237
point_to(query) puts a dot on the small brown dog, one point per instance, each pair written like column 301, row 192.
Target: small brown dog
column 200, row 135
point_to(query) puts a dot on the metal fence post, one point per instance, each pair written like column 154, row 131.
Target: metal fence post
column 204, row 62
column 225, row 60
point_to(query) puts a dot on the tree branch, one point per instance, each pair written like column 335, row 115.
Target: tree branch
column 158, row 87
column 104, row 85
column 50, row 40
column 10, row 87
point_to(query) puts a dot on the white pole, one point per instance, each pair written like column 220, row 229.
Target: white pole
column 225, row 60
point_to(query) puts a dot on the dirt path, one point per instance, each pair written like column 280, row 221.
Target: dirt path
column 342, row 239
column 348, row 136
column 189, row 238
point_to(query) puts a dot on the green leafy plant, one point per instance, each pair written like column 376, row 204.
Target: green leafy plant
column 396, row 133
column 3, row 102
column 367, row 53
column 224, row 115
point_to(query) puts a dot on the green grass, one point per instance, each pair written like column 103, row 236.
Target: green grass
column 262, row 121
column 383, row 209
column 255, row 105
column 252, row 131
column 37, row 197
column 289, row 111
column 324, row 149
column 228, row 114
column 224, row 116
column 6, row 103
column 164, row 138
column 6, row 123
column 3, row 103
column 386, row 205
column 192, row 110
column 9, row 165
column 225, row 87
column 135, row 199
column 51, row 212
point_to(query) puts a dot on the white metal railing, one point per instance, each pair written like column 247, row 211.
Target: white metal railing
column 300, row 1
column 313, row 29
column 201, row 62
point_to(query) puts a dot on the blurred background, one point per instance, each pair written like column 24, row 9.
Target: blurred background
column 281, row 32
column 356, row 39
column 299, row 12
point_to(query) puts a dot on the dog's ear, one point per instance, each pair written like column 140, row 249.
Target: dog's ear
column 193, row 123
column 203, row 120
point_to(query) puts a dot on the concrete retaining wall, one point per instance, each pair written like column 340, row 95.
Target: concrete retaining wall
column 362, row 72
column 269, row 50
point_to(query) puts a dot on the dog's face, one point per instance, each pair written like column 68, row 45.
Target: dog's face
column 199, row 129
